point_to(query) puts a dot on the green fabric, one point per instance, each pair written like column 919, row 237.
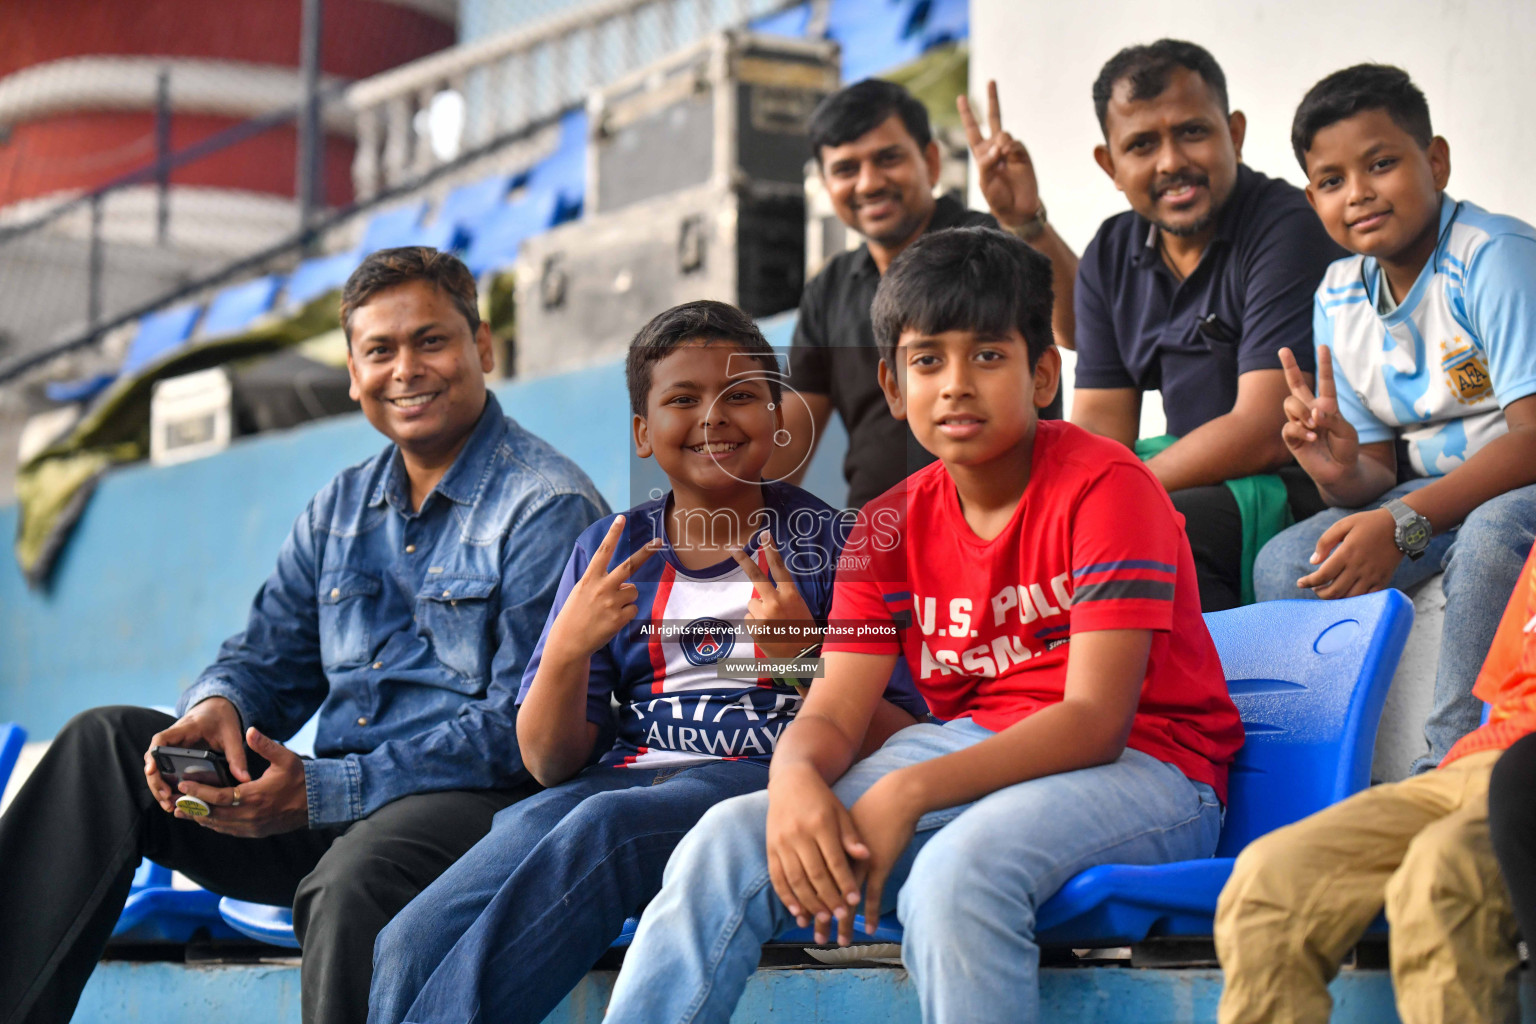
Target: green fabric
column 53, row 487
column 1262, row 503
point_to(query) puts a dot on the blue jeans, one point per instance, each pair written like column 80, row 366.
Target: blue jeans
column 1481, row 560
column 509, row 930
column 966, row 888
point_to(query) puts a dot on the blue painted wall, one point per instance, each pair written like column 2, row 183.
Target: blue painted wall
column 163, row 564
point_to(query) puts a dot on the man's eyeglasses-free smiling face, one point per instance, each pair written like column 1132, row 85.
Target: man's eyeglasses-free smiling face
column 1376, row 190
column 417, row 369
column 1174, row 155
column 881, row 184
column 710, row 417
column 969, row 399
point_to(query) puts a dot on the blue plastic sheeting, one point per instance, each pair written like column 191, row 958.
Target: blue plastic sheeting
column 313, row 278
column 495, row 245
column 164, row 993
column 236, row 307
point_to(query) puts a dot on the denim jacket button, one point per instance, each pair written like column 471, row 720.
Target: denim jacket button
column 410, row 549
column 335, row 592
column 378, row 664
column 362, row 721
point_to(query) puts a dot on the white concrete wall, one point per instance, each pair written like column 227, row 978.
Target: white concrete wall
column 1473, row 61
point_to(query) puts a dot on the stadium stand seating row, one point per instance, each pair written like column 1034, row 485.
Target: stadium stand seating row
column 486, row 221
column 1308, row 677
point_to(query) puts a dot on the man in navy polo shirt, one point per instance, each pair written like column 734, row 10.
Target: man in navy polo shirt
column 1193, row 292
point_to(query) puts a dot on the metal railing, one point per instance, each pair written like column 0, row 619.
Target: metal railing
column 476, row 92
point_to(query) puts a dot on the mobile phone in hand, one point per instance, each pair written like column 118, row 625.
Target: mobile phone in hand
column 189, row 764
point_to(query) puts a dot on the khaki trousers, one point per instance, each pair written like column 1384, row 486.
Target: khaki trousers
column 1301, row 897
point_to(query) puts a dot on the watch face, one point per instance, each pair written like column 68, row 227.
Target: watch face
column 1416, row 535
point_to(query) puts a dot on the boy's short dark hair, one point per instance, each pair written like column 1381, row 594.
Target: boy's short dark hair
column 862, row 106
column 1354, row 90
column 965, row 279
column 390, row 267
column 704, row 320
column 1148, row 67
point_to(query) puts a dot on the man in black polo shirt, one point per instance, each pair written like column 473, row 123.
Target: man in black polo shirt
column 1193, row 292
column 879, row 163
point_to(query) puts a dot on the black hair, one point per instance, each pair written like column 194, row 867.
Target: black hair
column 388, row 268
column 965, row 279
column 1148, row 67
column 1354, row 90
column 861, row 107
column 704, row 320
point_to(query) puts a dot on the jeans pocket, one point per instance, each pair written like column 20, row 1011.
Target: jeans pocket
column 454, row 614
column 346, row 606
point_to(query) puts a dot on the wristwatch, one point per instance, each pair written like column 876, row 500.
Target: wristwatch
column 1413, row 530
column 1032, row 228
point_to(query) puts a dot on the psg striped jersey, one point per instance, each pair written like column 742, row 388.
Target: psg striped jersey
column 662, row 668
column 986, row 626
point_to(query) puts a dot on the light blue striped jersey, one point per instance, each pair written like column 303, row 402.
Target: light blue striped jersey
column 1438, row 370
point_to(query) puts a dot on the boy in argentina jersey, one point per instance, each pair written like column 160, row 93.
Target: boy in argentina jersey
column 651, row 604
column 1037, row 583
column 1422, row 432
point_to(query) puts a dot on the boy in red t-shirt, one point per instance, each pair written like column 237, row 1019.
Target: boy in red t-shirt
column 1039, row 584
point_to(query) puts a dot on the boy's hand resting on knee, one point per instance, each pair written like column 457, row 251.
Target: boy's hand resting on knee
column 275, row 803
column 213, row 724
column 811, row 837
column 1356, row 555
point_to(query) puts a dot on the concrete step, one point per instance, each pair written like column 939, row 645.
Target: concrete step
column 164, row 993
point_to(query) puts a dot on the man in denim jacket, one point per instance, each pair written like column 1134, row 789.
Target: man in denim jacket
column 405, row 603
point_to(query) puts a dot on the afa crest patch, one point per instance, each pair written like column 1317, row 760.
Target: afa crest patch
column 706, row 640
column 1466, row 373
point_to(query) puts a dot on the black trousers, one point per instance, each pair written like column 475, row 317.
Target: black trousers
column 1512, row 821
column 73, row 836
column 1215, row 529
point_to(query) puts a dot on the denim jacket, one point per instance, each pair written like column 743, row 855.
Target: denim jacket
column 409, row 630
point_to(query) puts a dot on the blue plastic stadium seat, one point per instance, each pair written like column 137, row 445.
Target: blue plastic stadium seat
column 314, row 277
column 792, row 22
column 875, row 35
column 237, row 307
column 157, row 912
column 159, row 334
column 397, row 226
column 1309, row 679
column 565, row 170
column 12, row 737
column 463, row 211
column 272, row 925
column 496, row 243
column 945, row 21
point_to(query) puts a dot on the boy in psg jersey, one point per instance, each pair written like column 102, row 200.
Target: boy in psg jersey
column 1044, row 597
column 651, row 602
column 1422, row 434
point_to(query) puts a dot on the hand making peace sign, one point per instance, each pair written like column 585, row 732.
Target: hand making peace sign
column 777, row 601
column 1003, row 168
column 1322, row 440
column 603, row 600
